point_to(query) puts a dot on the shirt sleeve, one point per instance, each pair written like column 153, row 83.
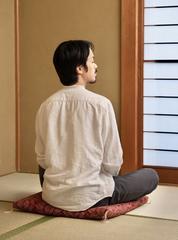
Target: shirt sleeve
column 113, row 154
column 39, row 144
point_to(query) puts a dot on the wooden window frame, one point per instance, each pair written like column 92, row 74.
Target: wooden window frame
column 132, row 20
column 131, row 82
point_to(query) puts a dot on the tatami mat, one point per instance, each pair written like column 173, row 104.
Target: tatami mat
column 163, row 203
column 123, row 227
column 10, row 219
column 16, row 225
column 18, row 185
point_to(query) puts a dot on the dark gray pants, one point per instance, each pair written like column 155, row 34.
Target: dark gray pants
column 128, row 187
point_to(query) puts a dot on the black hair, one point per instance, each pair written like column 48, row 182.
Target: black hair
column 68, row 56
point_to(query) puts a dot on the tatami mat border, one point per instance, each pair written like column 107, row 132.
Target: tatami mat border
column 24, row 227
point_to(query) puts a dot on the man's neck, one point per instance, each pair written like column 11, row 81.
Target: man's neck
column 81, row 82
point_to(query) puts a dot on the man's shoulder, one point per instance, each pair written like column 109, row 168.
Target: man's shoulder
column 98, row 98
column 50, row 100
column 56, row 96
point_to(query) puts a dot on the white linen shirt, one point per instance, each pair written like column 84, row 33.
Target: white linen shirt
column 78, row 144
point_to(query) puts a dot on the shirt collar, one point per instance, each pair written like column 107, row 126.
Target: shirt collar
column 74, row 86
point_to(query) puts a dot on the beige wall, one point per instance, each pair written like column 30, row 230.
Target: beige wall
column 7, row 88
column 45, row 23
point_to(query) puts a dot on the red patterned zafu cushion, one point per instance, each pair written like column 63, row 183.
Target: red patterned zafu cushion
column 35, row 204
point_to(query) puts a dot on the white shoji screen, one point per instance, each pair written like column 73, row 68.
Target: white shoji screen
column 161, row 83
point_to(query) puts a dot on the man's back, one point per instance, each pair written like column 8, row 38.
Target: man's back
column 74, row 130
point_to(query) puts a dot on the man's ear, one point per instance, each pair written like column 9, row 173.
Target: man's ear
column 79, row 70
